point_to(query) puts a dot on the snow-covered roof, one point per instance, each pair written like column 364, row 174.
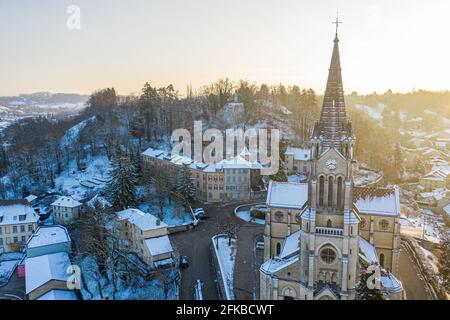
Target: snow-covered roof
column 59, row 295
column 447, row 210
column 276, row 264
column 237, row 162
column 377, row 201
column 438, row 175
column 368, row 251
column 144, row 221
column 287, row 195
column 40, row 270
column 31, row 198
column 390, row 283
column 159, row 245
column 48, row 235
column 291, row 245
column 299, row 153
column 17, row 212
column 67, row 202
column 100, row 200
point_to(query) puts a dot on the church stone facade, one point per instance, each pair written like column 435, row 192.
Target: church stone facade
column 319, row 236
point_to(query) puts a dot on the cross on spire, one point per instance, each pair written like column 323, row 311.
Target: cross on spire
column 337, row 23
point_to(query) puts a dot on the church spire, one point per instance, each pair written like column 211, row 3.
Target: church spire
column 333, row 118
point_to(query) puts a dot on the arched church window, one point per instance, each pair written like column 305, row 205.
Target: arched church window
column 382, row 260
column 279, row 216
column 328, row 255
column 329, row 223
column 278, row 249
column 330, row 191
column 321, row 190
column 339, row 192
column 384, row 224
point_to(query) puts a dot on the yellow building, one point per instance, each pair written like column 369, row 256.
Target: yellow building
column 18, row 221
column 228, row 180
column 145, row 235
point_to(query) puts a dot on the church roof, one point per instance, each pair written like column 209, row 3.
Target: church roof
column 377, row 201
column 287, row 195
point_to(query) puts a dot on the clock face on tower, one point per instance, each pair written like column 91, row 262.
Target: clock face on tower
column 331, row 164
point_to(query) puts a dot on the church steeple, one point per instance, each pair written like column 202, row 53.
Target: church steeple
column 333, row 124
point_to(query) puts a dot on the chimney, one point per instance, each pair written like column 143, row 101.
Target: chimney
column 158, row 222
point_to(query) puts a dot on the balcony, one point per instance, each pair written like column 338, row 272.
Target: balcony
column 330, row 231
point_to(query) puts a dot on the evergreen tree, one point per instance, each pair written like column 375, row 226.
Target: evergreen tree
column 281, row 175
column 363, row 291
column 444, row 262
column 186, row 188
column 122, row 185
column 398, row 159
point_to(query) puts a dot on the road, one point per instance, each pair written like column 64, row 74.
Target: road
column 411, row 278
column 196, row 245
column 15, row 289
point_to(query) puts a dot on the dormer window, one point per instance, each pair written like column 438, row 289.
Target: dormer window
column 22, row 217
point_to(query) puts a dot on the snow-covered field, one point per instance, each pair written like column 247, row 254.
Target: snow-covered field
column 374, row 112
column 226, row 255
column 74, row 182
column 414, row 227
column 97, row 287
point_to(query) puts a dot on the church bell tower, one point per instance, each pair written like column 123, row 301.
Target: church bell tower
column 329, row 232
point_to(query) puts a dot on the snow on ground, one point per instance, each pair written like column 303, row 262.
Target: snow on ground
column 73, row 133
column 74, row 182
column 431, row 259
column 226, row 256
column 6, row 270
column 297, row 178
column 97, row 287
column 174, row 214
column 414, row 227
column 245, row 215
column 374, row 112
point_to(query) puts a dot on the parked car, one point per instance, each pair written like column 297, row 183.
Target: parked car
column 199, row 213
column 184, row 262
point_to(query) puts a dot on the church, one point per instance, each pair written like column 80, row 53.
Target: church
column 320, row 236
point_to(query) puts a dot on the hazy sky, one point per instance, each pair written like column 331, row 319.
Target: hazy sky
column 401, row 44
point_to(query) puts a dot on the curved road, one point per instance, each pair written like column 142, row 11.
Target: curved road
column 412, row 280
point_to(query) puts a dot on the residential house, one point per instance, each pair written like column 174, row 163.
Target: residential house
column 66, row 210
column 48, row 240
column 18, row 221
column 47, row 273
column 436, row 179
column 297, row 160
column 47, row 264
column 147, row 236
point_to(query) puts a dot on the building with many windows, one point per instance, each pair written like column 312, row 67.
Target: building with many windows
column 147, row 236
column 18, row 221
column 297, row 160
column 66, row 210
column 227, row 180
